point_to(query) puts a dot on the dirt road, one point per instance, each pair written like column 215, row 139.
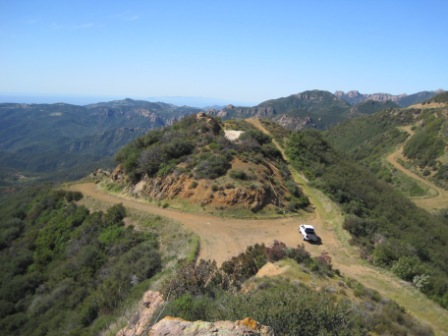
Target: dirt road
column 220, row 238
column 439, row 201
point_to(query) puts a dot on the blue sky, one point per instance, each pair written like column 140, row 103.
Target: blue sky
column 237, row 51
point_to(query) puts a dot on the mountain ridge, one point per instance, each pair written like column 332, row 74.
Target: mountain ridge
column 48, row 138
column 403, row 99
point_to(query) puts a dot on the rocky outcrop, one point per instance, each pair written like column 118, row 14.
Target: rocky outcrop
column 141, row 322
column 243, row 112
column 117, row 174
column 172, row 186
column 178, row 327
column 355, row 97
column 295, row 123
column 100, row 173
column 211, row 123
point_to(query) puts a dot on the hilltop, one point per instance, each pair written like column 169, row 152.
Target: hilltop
column 200, row 162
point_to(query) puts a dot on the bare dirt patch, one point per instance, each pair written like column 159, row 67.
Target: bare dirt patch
column 232, row 135
column 270, row 270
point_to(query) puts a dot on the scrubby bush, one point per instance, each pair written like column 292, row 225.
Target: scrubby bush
column 212, row 166
column 384, row 224
column 238, row 174
column 407, row 267
column 69, row 267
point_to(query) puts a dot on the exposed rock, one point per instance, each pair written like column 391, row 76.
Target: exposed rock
column 171, row 186
column 99, row 172
column 403, row 100
column 232, row 135
column 140, row 323
column 172, row 120
column 295, row 123
column 178, row 327
column 117, row 173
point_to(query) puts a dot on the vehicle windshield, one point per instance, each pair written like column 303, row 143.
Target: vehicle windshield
column 310, row 231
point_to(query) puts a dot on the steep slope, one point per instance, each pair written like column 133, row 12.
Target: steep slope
column 66, row 270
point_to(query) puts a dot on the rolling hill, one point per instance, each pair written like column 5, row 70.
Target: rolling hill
column 202, row 163
column 63, row 141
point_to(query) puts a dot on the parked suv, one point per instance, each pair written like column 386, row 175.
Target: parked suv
column 308, row 233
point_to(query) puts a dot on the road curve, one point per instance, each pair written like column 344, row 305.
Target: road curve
column 439, row 201
column 220, row 238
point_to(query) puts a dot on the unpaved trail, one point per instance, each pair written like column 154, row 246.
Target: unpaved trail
column 220, row 238
column 439, row 200
column 256, row 122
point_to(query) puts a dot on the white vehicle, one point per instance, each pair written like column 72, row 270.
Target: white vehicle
column 307, row 231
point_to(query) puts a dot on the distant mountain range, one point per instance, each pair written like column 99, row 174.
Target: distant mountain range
column 67, row 141
column 321, row 109
column 403, row 100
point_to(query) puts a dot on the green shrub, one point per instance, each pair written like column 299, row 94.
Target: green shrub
column 238, row 174
column 407, row 267
column 62, row 256
column 193, row 185
column 212, row 167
